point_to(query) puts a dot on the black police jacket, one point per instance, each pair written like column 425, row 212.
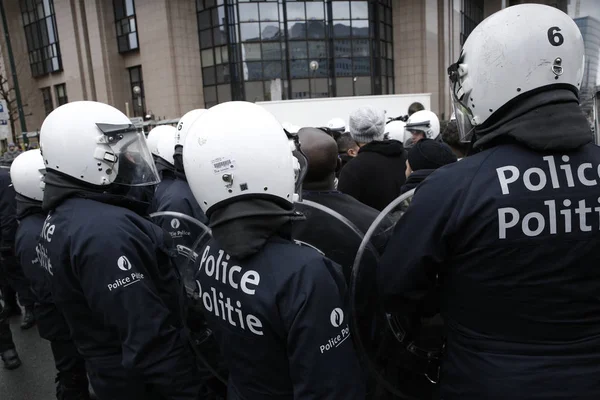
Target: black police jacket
column 514, row 234
column 174, row 194
column 113, row 280
column 8, row 220
column 280, row 322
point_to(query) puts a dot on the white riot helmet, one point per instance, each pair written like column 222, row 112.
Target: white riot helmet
column 26, row 174
column 425, row 122
column 228, row 158
column 95, row 143
column 337, row 125
column 165, row 145
column 394, row 130
column 511, row 53
column 184, row 124
column 155, row 135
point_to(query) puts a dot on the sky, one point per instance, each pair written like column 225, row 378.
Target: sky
column 586, row 8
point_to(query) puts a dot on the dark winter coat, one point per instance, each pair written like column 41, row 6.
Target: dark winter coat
column 375, row 176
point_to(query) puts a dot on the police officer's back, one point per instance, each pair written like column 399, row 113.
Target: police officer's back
column 512, row 232
column 109, row 267
column 276, row 308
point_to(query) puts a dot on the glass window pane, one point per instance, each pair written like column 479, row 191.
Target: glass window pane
column 225, row 54
column 210, row 94
column 343, row 67
column 360, row 9
column 314, row 11
column 134, row 75
column 208, row 59
column 319, row 88
column 317, row 49
column 254, row 91
column 360, row 28
column 315, row 29
column 300, row 89
column 270, row 30
column 206, row 39
column 221, row 76
column 362, row 66
column 383, row 67
column 209, row 3
column 248, row 12
column 362, row 86
column 344, row 87
column 341, row 29
column 224, row 92
column 200, row 5
column 360, row 47
column 391, row 88
column 271, row 51
column 218, row 58
column 297, row 30
column 299, row 68
column 295, row 11
column 129, row 7
column 390, row 52
column 203, row 19
column 273, row 70
column 340, row 10
column 390, row 67
column 269, row 12
column 250, row 31
column 254, row 71
column 388, row 16
column 219, row 36
column 322, row 71
column 208, row 75
column 132, row 25
column 342, row 48
column 218, row 16
column 298, row 50
column 251, row 52
column 133, row 42
column 388, row 33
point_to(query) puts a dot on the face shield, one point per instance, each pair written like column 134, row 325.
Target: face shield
column 130, row 157
column 415, row 128
column 462, row 113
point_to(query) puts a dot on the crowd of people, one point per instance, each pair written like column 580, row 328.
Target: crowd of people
column 212, row 260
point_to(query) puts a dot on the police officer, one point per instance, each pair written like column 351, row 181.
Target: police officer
column 109, row 268
column 276, row 308
column 12, row 272
column 26, row 175
column 512, row 232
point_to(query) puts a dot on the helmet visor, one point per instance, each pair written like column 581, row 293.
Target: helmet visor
column 131, row 159
column 463, row 120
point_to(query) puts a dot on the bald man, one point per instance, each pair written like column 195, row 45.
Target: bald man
column 333, row 239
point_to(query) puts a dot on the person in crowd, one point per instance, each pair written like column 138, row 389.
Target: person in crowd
column 415, row 107
column 451, row 137
column 334, row 239
column 276, row 304
column 26, row 173
column 508, row 237
column 10, row 154
column 423, row 125
column 109, row 267
column 423, row 158
column 375, row 176
column 347, row 150
column 14, row 279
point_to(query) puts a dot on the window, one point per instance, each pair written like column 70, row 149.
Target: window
column 471, row 16
column 137, row 91
column 61, row 94
column 280, row 49
column 127, row 38
column 42, row 36
column 48, row 104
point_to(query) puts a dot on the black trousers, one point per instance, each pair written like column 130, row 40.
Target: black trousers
column 12, row 277
column 6, row 340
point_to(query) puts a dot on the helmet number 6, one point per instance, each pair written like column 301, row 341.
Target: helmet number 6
column 555, row 38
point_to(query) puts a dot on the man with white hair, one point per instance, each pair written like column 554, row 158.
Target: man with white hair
column 375, row 176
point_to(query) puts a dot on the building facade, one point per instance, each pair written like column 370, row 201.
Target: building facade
column 163, row 58
column 590, row 30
